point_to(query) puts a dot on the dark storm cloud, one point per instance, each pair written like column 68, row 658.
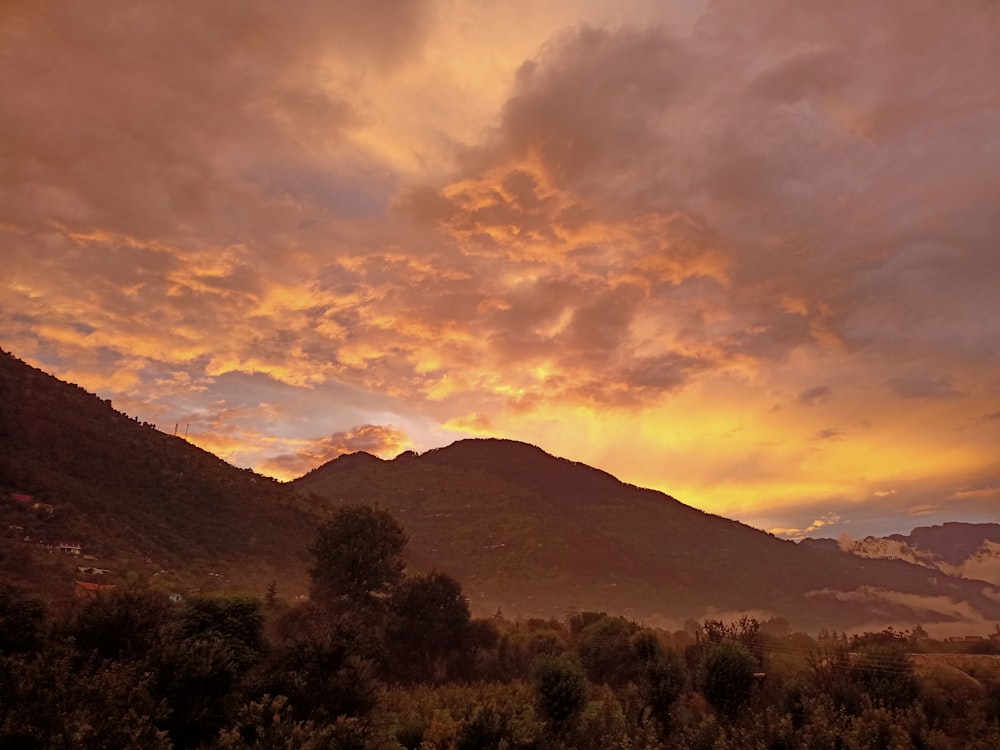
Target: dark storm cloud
column 588, row 105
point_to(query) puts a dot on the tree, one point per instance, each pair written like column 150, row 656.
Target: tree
column 560, row 691
column 885, row 672
column 428, row 621
column 606, row 651
column 238, row 621
column 124, row 624
column 322, row 678
column 356, row 556
column 660, row 674
column 725, row 677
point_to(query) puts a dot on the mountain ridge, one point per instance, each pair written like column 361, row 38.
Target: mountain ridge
column 522, row 530
column 615, row 538
column 966, row 550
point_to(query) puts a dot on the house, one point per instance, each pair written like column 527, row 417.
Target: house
column 85, row 589
column 68, row 548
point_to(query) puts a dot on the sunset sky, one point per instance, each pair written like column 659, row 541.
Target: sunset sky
column 747, row 253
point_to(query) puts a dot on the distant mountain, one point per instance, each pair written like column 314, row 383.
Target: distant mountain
column 966, row 550
column 74, row 470
column 537, row 535
column 521, row 530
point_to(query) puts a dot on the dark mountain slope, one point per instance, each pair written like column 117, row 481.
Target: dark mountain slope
column 519, row 528
column 535, row 534
column 134, row 498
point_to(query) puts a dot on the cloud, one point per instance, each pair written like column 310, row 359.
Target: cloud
column 922, row 387
column 898, row 604
column 647, row 231
column 819, row 394
column 370, row 438
column 828, row 433
column 830, row 519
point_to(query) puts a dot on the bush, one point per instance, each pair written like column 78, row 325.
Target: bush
column 725, row 677
column 560, row 691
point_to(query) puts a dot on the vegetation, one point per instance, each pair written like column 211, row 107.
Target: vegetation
column 523, row 531
column 537, row 535
column 398, row 662
column 135, row 498
column 381, row 657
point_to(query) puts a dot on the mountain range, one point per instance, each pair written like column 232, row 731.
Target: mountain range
column 966, row 550
column 523, row 531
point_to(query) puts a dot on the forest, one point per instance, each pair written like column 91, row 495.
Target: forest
column 382, row 658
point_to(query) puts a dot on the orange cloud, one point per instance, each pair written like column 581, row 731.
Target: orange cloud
column 702, row 256
column 375, row 439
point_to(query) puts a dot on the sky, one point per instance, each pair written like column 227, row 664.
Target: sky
column 744, row 253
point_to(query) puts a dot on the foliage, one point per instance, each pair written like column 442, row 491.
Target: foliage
column 22, row 618
column 122, row 624
column 560, row 691
column 663, row 677
column 237, row 621
column 356, row 556
column 322, row 677
column 429, row 622
column 726, row 676
column 130, row 669
column 885, row 672
column 605, row 648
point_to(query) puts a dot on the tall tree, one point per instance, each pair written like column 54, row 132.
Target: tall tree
column 428, row 623
column 356, row 557
column 560, row 691
column 725, row 677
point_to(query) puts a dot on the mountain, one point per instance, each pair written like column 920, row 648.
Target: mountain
column 75, row 470
column 520, row 529
column 537, row 535
column 966, row 550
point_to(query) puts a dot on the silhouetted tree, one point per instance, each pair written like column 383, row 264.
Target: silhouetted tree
column 428, row 622
column 725, row 677
column 323, row 678
column 237, row 621
column 660, row 674
column 884, row 671
column 560, row 691
column 120, row 624
column 356, row 557
column 605, row 649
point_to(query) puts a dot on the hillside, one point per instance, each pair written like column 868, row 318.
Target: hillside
column 537, row 535
column 73, row 469
column 522, row 530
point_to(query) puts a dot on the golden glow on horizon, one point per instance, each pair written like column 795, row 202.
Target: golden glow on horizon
column 550, row 222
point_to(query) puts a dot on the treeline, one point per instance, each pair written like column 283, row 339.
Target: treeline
column 381, row 660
